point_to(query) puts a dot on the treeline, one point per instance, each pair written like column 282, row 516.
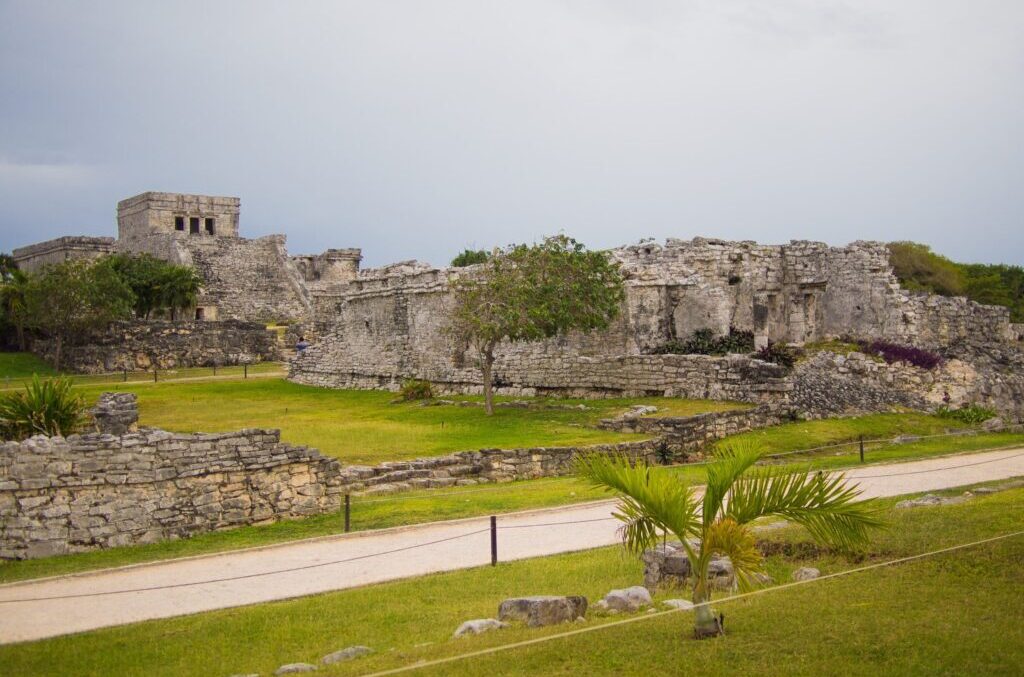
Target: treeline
column 67, row 300
column 918, row 268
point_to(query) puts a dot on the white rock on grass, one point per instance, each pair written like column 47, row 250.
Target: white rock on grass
column 475, row 627
column 629, row 599
column 683, row 604
column 541, row 610
column 346, row 654
column 295, row 668
column 805, row 574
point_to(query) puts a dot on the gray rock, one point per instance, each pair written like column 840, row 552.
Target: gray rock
column 475, row 627
column 763, row 579
column 294, row 668
column 906, row 439
column 931, row 499
column 684, row 604
column 993, row 424
column 346, row 654
column 543, row 610
column 806, row 574
column 629, row 599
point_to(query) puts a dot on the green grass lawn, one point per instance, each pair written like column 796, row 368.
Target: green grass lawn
column 18, row 366
column 417, row 507
column 362, row 426
column 957, row 613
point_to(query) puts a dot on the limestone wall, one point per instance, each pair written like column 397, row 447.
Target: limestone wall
column 692, row 433
column 97, row 490
column 33, row 257
column 142, row 344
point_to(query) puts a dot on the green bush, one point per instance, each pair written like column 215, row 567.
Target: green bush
column 415, row 389
column 778, row 353
column 45, row 408
column 918, row 268
column 972, row 414
column 704, row 342
column 470, row 257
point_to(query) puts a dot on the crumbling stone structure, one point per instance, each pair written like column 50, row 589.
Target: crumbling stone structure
column 106, row 489
column 143, row 345
column 33, row 257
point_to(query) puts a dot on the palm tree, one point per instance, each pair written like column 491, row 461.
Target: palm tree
column 656, row 502
column 12, row 300
column 179, row 289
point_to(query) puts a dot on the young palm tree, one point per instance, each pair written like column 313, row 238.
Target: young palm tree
column 736, row 494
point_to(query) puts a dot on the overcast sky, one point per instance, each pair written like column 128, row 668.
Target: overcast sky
column 415, row 129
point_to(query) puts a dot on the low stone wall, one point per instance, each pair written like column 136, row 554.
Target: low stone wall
column 143, row 344
column 486, row 465
column 735, row 377
column 691, row 433
column 98, row 490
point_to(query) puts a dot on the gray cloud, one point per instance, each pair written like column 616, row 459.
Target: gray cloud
column 412, row 129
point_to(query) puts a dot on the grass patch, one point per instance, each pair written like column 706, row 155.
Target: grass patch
column 907, row 619
column 22, row 365
column 363, row 426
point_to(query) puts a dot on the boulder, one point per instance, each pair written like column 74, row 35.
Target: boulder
column 683, row 604
column 477, row 626
column 295, row 668
column 346, row 654
column 629, row 599
column 993, row 424
column 805, row 574
column 543, row 610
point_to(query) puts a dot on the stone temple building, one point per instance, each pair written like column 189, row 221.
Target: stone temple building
column 243, row 279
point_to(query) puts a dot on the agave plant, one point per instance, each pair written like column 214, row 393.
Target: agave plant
column 655, row 502
column 45, row 408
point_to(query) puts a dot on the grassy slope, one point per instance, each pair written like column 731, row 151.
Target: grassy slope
column 424, row 506
column 361, row 426
column 936, row 616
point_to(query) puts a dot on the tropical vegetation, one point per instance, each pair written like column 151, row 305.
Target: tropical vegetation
column 736, row 493
column 45, row 407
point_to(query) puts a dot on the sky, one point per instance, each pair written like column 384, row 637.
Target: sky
column 417, row 129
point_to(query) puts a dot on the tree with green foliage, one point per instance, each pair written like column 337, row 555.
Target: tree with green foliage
column 13, row 291
column 532, row 292
column 73, row 298
column 470, row 257
column 7, row 266
column 654, row 503
column 156, row 284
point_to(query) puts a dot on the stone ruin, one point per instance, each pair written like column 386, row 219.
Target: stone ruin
column 375, row 328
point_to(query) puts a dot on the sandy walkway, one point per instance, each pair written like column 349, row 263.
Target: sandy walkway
column 248, row 577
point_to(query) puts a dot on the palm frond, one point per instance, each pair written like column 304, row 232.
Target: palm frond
column 824, row 503
column 650, row 500
column 730, row 462
column 736, row 541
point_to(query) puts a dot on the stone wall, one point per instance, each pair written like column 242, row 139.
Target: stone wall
column 142, row 344
column 33, row 257
column 693, row 433
column 98, row 490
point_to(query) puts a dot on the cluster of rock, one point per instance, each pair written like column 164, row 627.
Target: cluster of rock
column 691, row 433
column 142, row 345
column 95, row 490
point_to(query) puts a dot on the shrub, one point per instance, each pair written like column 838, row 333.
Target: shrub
column 894, row 352
column 470, row 257
column 415, row 389
column 778, row 353
column 46, row 407
column 972, row 414
column 704, row 342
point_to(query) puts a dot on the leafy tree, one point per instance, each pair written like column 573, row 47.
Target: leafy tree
column 7, row 267
column 156, row 284
column 73, row 298
column 653, row 503
column 179, row 289
column 13, row 292
column 470, row 257
column 531, row 292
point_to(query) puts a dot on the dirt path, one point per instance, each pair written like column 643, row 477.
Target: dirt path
column 192, row 585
